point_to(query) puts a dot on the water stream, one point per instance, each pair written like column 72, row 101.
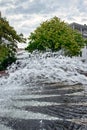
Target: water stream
column 44, row 92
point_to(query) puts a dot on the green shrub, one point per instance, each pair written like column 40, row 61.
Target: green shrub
column 8, row 43
column 55, row 34
column 6, row 58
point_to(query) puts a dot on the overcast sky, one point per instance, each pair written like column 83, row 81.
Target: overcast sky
column 26, row 15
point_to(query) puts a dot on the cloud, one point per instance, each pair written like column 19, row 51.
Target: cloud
column 82, row 6
column 25, row 16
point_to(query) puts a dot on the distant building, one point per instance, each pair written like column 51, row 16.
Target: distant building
column 83, row 30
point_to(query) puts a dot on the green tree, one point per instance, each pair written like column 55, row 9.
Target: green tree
column 55, row 34
column 8, row 43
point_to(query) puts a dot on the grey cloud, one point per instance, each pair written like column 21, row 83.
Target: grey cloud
column 39, row 7
column 5, row 3
column 81, row 7
column 26, row 9
column 71, row 18
column 18, row 2
column 32, row 8
column 84, row 20
column 36, row 6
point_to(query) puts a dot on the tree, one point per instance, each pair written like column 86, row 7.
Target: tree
column 8, row 43
column 55, row 34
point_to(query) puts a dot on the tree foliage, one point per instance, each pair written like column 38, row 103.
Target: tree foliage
column 55, row 34
column 7, row 32
column 6, row 58
column 8, row 43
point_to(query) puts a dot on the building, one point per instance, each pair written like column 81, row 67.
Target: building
column 83, row 30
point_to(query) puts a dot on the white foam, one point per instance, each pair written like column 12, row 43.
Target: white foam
column 3, row 127
column 45, row 67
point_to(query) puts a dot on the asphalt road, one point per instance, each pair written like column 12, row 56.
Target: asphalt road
column 43, row 107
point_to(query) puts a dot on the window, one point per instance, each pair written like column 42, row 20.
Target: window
column 80, row 53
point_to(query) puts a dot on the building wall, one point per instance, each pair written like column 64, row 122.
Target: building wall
column 84, row 53
column 83, row 30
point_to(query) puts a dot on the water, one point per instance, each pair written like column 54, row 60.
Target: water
column 44, row 92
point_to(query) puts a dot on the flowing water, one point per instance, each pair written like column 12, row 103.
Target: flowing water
column 43, row 92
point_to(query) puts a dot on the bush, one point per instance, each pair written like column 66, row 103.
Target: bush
column 55, row 34
column 6, row 58
column 8, row 43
